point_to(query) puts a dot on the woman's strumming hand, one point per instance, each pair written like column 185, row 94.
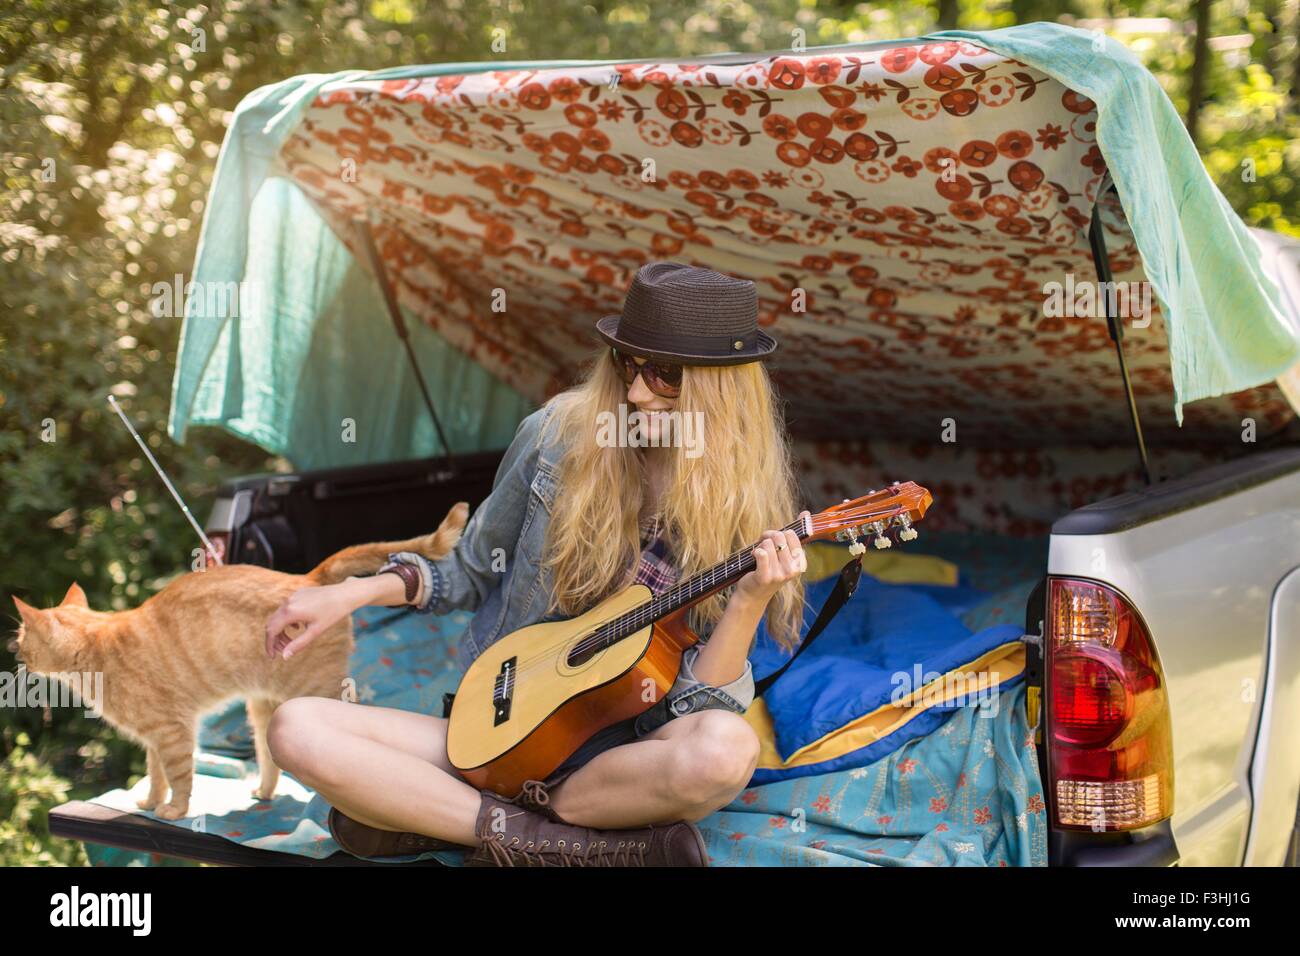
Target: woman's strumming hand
column 775, row 567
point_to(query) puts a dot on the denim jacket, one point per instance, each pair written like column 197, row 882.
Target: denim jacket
column 495, row 568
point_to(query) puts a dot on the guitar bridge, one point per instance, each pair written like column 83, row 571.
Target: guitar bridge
column 503, row 691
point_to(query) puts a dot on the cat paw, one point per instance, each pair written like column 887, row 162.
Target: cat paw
column 264, row 793
column 169, row 811
column 148, row 803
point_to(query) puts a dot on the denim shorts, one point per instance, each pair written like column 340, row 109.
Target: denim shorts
column 686, row 696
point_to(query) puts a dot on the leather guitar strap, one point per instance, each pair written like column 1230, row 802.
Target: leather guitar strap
column 844, row 588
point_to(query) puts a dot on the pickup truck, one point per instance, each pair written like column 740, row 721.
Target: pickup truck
column 1163, row 628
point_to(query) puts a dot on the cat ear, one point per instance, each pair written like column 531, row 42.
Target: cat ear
column 28, row 612
column 75, row 596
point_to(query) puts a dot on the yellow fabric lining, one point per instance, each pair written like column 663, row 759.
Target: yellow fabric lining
column 985, row 673
column 897, row 567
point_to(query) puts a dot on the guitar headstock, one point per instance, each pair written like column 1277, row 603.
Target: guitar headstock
column 874, row 515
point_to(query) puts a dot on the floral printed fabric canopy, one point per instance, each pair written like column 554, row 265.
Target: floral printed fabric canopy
column 902, row 211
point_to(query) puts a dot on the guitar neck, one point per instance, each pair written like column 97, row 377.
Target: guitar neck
column 688, row 592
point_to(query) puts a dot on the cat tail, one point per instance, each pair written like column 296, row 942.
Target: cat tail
column 364, row 559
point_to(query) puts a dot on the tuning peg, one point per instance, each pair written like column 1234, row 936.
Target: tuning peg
column 908, row 533
column 857, row 549
column 883, row 542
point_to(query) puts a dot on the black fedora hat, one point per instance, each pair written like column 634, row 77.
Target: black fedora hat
column 688, row 316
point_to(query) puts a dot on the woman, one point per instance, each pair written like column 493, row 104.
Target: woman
column 558, row 533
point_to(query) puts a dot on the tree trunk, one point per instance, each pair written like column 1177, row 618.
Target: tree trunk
column 949, row 11
column 1200, row 63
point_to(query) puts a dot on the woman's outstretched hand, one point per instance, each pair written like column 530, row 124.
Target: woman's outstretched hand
column 306, row 614
column 775, row 567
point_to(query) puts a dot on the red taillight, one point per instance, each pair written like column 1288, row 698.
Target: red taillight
column 1110, row 755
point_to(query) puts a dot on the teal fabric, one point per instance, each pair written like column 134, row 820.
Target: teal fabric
column 289, row 372
column 967, row 794
column 1227, row 330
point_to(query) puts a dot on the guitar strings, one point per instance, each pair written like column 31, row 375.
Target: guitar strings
column 648, row 612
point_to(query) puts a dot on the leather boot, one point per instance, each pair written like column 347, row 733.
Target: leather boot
column 365, row 841
column 513, row 835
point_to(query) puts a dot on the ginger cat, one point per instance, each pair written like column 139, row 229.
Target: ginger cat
column 199, row 642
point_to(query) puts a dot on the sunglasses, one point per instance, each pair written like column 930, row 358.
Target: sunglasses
column 661, row 378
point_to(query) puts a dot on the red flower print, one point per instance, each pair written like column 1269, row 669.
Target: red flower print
column 941, row 828
column 940, row 158
column 968, row 315
column 1035, row 804
column 594, row 140
column 737, row 836
column 1015, row 144
column 907, row 166
column 780, row 127
column 840, row 97
column 814, row 125
column 776, row 823
column 822, row 804
column 938, row 52
column 826, row 150
column 579, row 114
column 922, row 107
column 983, row 816
column 1093, row 160
column 1015, row 226
column 1001, row 207
column 823, row 69
column 906, row 766
column 979, row 152
column 1025, row 176
column 863, row 276
column 685, row 134
column 898, row 60
column 861, row 146
column 943, row 78
column 673, row 104
column 817, row 844
column 565, row 89
column 938, row 804
column 884, row 821
column 786, row 74
column 611, row 111
column 954, row 190
column 849, row 120
column 872, row 91
column 566, row 142
column 959, row 102
column 736, row 101
column 712, row 180
column 792, row 154
column 1077, row 102
column 743, row 179
column 1051, row 136
column 995, row 91
column 534, row 97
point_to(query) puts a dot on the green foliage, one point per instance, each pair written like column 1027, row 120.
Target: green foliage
column 113, row 112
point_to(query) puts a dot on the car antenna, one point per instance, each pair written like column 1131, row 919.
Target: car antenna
column 212, row 552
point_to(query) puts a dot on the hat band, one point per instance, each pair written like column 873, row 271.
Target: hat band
column 687, row 343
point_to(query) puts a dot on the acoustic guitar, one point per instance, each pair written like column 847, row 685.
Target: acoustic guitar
column 536, row 695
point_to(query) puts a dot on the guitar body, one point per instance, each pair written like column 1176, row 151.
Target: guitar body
column 536, row 695
column 551, row 708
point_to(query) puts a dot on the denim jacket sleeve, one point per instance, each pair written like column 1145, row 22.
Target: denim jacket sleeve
column 465, row 577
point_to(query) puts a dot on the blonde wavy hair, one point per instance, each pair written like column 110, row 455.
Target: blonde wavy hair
column 712, row 505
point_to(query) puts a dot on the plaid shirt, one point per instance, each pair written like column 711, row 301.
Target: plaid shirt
column 655, row 568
